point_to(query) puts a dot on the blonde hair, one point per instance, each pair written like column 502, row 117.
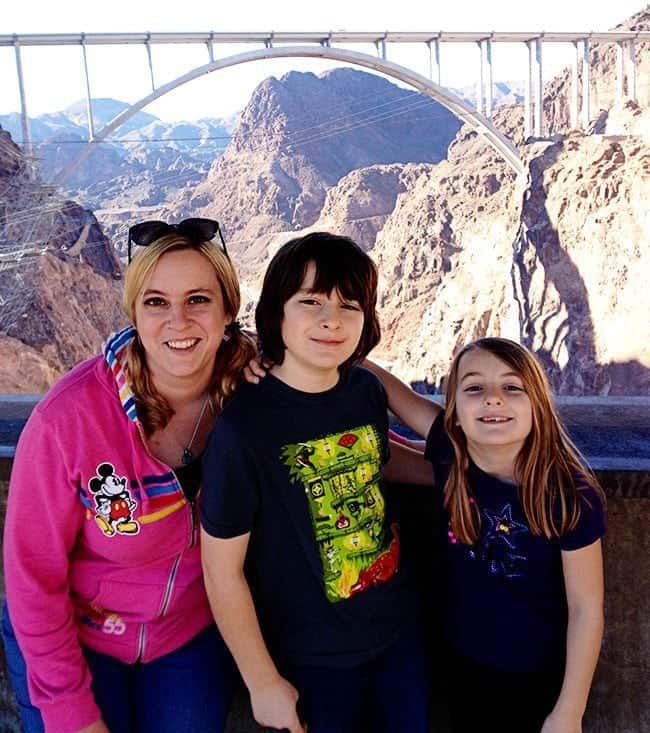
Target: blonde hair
column 233, row 354
column 548, row 469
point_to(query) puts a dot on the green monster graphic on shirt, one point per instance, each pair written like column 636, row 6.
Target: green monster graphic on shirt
column 340, row 474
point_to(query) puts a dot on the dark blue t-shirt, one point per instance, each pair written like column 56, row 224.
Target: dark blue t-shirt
column 302, row 473
column 505, row 597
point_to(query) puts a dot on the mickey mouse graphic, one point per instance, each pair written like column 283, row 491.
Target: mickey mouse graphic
column 113, row 502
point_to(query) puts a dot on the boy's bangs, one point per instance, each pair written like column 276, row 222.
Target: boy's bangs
column 350, row 277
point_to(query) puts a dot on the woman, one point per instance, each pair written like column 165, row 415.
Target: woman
column 101, row 553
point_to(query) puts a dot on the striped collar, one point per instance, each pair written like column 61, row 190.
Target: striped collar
column 115, row 355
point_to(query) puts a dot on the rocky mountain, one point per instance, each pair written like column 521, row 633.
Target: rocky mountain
column 104, row 110
column 298, row 136
column 59, row 289
column 145, row 162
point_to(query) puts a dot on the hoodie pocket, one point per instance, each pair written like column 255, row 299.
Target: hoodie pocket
column 132, row 602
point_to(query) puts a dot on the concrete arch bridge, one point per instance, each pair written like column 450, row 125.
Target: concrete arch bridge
column 337, row 46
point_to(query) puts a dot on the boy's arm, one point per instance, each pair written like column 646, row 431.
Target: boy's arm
column 413, row 409
column 407, row 466
column 583, row 578
column 273, row 698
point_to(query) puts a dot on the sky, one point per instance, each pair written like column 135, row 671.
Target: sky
column 54, row 77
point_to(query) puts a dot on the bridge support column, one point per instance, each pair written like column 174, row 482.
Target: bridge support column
column 434, row 60
column 89, row 105
column 380, row 45
column 631, row 72
column 575, row 86
column 539, row 88
column 528, row 94
column 489, row 85
column 147, row 44
column 481, row 83
column 210, row 45
column 27, row 136
column 620, row 71
column 586, row 111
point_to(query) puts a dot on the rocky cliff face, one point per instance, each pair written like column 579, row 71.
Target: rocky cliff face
column 59, row 297
column 444, row 257
column 580, row 263
column 556, row 262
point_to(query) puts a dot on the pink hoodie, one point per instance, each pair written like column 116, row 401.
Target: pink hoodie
column 100, row 546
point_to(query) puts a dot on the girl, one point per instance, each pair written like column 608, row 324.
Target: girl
column 524, row 585
column 293, row 486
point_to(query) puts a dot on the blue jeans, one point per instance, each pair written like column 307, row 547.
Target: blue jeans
column 386, row 694
column 186, row 691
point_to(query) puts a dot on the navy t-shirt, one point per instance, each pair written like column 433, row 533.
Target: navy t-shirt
column 302, row 473
column 505, row 597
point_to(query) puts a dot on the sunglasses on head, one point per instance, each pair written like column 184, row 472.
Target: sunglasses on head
column 196, row 230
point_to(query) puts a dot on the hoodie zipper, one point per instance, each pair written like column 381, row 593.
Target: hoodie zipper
column 140, row 644
column 172, row 575
column 191, row 502
column 170, row 586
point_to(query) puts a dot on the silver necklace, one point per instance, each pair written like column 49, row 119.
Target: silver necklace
column 188, row 456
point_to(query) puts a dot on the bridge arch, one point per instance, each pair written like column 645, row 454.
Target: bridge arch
column 480, row 124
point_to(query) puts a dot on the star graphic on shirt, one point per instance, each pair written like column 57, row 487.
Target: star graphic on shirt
column 501, row 527
column 498, row 547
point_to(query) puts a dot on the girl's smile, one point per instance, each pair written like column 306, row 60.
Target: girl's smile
column 492, row 407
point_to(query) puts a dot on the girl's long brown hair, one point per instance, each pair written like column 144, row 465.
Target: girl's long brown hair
column 233, row 354
column 548, row 470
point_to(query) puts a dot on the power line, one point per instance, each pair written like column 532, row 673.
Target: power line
column 335, row 125
column 124, row 141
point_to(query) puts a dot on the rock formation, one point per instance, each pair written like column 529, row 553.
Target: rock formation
column 556, row 261
column 59, row 298
column 300, row 135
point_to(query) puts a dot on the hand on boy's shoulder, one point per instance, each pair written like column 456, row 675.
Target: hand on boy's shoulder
column 256, row 369
column 407, row 464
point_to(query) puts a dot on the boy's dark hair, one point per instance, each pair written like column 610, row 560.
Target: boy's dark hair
column 340, row 265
